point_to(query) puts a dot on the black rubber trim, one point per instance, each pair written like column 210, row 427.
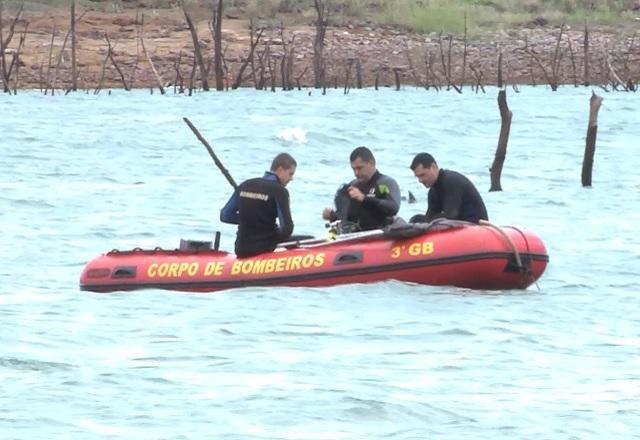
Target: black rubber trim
column 348, row 257
column 308, row 277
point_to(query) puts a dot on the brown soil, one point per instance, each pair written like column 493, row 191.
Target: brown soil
column 379, row 49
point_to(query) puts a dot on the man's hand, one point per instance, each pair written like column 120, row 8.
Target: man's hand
column 326, row 213
column 355, row 194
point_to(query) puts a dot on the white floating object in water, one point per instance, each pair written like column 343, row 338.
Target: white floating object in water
column 293, row 135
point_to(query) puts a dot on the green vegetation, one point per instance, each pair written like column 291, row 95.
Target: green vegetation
column 482, row 15
column 448, row 15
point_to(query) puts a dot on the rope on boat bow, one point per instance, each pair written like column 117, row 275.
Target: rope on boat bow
column 510, row 242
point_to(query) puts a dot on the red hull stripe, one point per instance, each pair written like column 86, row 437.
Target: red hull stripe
column 284, row 280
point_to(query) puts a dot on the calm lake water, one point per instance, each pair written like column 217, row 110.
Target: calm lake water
column 83, row 174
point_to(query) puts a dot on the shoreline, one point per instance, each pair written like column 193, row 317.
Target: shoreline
column 356, row 55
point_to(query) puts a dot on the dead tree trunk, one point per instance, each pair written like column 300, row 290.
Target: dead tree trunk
column 289, row 65
column 61, row 55
column 586, row 55
column 615, row 81
column 16, row 60
column 396, row 74
column 47, row 81
column 217, row 46
column 318, row 44
column 146, row 55
column 557, row 56
column 115, row 64
column 477, row 73
column 500, row 69
column 503, row 140
column 573, row 62
column 197, row 53
column 590, row 147
column 446, row 66
column 347, row 75
column 300, row 77
column 134, row 69
column 283, row 62
column 179, row 81
column 74, row 65
column 249, row 59
column 99, row 87
column 192, row 77
column 464, row 54
column 4, row 42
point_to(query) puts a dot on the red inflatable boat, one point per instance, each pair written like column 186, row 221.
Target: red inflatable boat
column 449, row 253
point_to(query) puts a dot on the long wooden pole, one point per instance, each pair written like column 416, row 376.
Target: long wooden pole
column 219, row 164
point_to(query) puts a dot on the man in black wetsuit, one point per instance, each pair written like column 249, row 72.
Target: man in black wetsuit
column 257, row 203
column 451, row 195
column 370, row 200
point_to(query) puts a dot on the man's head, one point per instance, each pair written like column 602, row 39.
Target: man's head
column 425, row 168
column 363, row 164
column 284, row 166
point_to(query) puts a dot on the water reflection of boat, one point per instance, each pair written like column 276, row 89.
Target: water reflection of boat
column 440, row 253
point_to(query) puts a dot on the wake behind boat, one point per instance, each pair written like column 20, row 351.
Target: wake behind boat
column 438, row 253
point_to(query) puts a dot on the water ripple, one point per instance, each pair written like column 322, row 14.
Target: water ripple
column 84, row 174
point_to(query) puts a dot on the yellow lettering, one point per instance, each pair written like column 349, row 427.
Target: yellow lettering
column 173, row 270
column 183, row 268
column 319, row 260
column 152, row 270
column 281, row 264
column 162, row 270
column 235, row 269
column 193, row 269
column 414, row 249
column 427, row 248
column 258, row 266
column 212, row 268
column 247, row 266
column 295, row 262
column 395, row 252
column 307, row 261
column 271, row 263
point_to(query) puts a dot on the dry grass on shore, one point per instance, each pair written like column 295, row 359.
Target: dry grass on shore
column 422, row 16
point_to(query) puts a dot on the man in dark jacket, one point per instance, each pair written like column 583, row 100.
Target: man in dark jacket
column 370, row 200
column 451, row 195
column 257, row 203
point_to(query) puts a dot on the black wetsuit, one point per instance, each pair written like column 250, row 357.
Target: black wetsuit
column 453, row 196
column 254, row 207
column 380, row 204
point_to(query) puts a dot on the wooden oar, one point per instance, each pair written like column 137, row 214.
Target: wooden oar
column 211, row 153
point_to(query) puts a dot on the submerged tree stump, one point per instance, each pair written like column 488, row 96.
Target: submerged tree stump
column 503, row 140
column 592, row 130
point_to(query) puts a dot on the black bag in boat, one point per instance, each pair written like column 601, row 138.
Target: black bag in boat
column 400, row 229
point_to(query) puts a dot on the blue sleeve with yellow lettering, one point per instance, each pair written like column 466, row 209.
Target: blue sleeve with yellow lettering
column 229, row 214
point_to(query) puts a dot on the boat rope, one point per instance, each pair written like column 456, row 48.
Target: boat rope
column 504, row 235
column 526, row 243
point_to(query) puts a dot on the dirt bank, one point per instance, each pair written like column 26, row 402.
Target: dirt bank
column 381, row 52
